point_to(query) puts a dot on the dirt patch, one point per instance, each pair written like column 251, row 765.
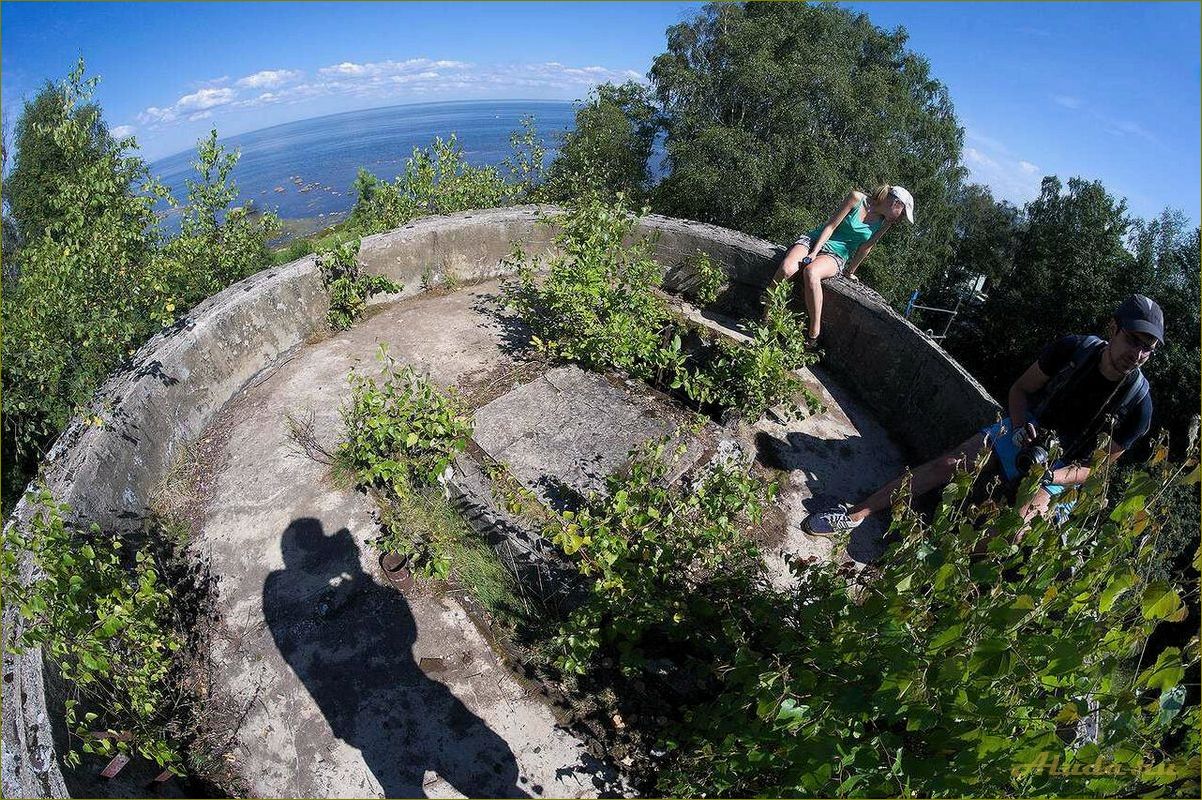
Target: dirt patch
column 480, row 390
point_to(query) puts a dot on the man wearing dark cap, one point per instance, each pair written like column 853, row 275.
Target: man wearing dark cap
column 1080, row 387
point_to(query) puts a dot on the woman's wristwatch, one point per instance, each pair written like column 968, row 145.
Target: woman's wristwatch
column 805, row 262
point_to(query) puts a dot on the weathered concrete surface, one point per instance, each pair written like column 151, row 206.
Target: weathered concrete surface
column 562, row 434
column 180, row 379
column 352, row 689
column 841, row 455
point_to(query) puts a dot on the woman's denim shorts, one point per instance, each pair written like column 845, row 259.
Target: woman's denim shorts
column 840, row 261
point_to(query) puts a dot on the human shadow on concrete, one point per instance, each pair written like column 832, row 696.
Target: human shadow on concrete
column 349, row 640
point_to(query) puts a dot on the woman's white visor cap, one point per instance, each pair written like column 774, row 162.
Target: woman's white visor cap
column 907, row 200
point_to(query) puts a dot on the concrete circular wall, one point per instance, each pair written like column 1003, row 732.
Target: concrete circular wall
column 182, row 377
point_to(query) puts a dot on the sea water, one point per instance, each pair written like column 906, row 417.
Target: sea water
column 304, row 171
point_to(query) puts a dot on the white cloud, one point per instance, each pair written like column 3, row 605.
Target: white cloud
column 386, row 81
column 345, row 68
column 1008, row 176
column 975, row 156
column 1126, row 127
column 349, row 69
column 122, row 131
column 268, row 78
column 154, row 115
column 205, row 98
column 1115, row 126
column 421, row 76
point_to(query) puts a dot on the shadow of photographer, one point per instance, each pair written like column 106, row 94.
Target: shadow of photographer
column 349, row 640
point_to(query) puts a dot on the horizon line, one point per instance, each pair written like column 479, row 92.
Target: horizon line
column 188, row 150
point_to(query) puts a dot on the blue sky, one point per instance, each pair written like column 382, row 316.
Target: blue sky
column 1101, row 90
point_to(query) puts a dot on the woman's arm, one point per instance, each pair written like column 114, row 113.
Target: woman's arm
column 836, row 219
column 863, row 250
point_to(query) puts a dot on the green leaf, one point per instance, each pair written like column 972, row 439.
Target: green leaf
column 1117, row 586
column 1127, row 508
column 1024, row 602
column 791, row 713
column 943, row 575
column 1166, row 673
column 1161, row 602
column 949, row 635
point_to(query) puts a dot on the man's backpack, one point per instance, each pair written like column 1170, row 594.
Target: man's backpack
column 1130, row 393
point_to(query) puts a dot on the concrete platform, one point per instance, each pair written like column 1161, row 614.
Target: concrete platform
column 347, row 688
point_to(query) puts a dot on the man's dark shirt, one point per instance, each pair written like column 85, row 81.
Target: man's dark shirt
column 1074, row 407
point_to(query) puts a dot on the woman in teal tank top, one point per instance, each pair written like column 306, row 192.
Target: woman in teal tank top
column 842, row 244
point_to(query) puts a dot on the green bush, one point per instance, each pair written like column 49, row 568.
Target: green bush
column 349, row 288
column 402, row 433
column 94, row 277
column 654, row 555
column 945, row 672
column 436, row 180
column 88, row 290
column 598, row 306
column 218, row 245
column 105, row 627
column 525, row 164
column 756, row 376
column 402, row 427
column 711, row 278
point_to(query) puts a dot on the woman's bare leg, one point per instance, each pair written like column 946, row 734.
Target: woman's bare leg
column 818, row 270
column 789, row 264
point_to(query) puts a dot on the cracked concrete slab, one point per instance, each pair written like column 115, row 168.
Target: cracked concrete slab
column 562, row 434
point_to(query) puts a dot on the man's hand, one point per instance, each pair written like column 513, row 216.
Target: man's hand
column 1024, row 435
